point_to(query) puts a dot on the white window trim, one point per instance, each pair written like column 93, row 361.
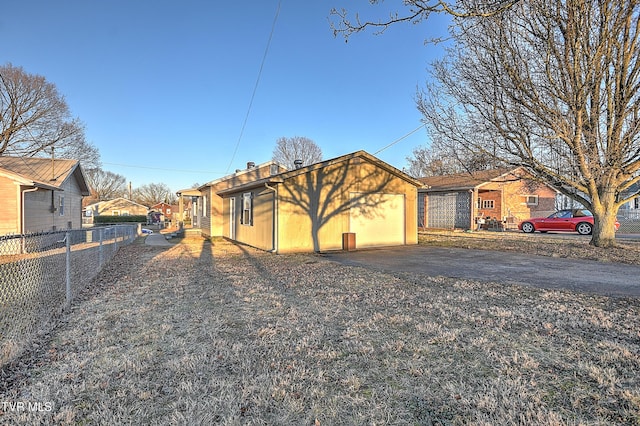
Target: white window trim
column 527, row 197
column 61, row 205
column 487, row 207
column 246, row 217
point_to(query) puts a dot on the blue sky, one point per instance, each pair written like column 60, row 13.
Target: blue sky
column 164, row 87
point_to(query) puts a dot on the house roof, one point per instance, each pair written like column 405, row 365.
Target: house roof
column 240, row 173
column 466, row 181
column 113, row 201
column 44, row 172
column 281, row 177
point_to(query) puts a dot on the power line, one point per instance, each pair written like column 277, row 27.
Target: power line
column 163, row 169
column 255, row 88
column 398, row 140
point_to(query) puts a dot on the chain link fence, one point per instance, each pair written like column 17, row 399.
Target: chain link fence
column 41, row 273
column 629, row 221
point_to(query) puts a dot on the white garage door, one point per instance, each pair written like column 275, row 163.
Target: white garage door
column 377, row 219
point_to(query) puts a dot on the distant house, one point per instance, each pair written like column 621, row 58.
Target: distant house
column 164, row 208
column 40, row 194
column 188, row 207
column 503, row 196
column 116, row 207
column 168, row 211
column 355, row 200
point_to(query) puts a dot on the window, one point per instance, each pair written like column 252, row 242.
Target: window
column 531, row 200
column 115, row 213
column 61, row 205
column 204, row 206
column 487, row 204
column 636, row 203
column 168, row 212
column 247, row 209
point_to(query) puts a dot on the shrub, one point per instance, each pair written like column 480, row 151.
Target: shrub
column 102, row 219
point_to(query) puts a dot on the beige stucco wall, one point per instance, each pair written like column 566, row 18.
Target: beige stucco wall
column 314, row 207
column 9, row 206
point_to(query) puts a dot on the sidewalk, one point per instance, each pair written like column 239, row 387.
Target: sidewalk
column 157, row 239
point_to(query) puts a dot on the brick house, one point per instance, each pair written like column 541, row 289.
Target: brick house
column 502, row 197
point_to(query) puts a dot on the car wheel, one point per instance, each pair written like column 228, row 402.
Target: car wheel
column 528, row 227
column 584, row 228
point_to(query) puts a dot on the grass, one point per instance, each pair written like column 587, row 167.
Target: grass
column 207, row 333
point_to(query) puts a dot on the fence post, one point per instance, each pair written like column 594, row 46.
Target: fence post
column 67, row 238
column 100, row 255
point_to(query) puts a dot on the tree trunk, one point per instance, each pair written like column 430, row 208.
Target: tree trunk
column 604, row 231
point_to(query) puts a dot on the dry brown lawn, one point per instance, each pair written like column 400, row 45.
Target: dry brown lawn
column 556, row 245
column 207, row 333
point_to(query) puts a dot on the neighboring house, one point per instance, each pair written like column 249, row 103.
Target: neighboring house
column 210, row 205
column 116, row 207
column 167, row 210
column 188, row 207
column 631, row 209
column 323, row 206
column 504, row 196
column 40, row 194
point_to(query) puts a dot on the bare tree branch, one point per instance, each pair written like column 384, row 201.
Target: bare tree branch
column 35, row 117
column 417, row 11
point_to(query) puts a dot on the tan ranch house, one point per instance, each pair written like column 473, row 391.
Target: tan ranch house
column 40, row 194
column 210, row 206
column 355, row 199
column 117, row 207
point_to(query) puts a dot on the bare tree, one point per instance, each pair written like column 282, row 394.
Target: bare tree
column 415, row 12
column 441, row 159
column 153, row 193
column 105, row 185
column 34, row 117
column 78, row 149
column 552, row 86
column 288, row 150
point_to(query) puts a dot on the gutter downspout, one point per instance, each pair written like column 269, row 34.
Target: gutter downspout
column 275, row 217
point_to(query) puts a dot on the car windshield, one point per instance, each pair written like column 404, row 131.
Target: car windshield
column 561, row 214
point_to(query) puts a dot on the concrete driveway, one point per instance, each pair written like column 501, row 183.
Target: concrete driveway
column 609, row 279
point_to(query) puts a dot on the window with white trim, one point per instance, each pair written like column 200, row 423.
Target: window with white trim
column 204, row 206
column 531, row 200
column 487, row 204
column 61, row 205
column 247, row 209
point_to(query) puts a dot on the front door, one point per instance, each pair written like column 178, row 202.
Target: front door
column 232, row 218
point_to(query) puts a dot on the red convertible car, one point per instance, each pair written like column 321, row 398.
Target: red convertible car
column 572, row 220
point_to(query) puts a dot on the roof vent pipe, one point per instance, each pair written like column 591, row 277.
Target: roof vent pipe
column 297, row 164
column 251, row 165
